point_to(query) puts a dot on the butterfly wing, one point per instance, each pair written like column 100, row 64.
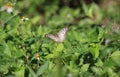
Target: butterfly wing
column 60, row 37
column 62, row 33
column 53, row 37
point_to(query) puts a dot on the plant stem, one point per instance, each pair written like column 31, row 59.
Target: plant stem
column 58, row 63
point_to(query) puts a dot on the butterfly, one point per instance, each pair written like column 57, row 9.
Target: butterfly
column 60, row 36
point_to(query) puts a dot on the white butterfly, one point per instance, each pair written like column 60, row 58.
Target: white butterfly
column 60, row 36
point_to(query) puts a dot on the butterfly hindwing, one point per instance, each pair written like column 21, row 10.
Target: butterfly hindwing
column 53, row 37
column 62, row 33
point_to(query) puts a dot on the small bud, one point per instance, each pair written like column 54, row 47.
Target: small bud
column 38, row 56
column 24, row 18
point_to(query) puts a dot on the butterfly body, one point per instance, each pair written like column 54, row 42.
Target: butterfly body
column 60, row 36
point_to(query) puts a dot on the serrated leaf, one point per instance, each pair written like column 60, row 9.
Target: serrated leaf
column 94, row 49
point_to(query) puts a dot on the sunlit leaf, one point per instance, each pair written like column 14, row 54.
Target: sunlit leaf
column 59, row 47
column 99, row 63
column 84, row 68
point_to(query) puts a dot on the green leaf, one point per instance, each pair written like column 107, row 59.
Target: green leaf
column 116, row 57
column 115, row 54
column 4, row 69
column 49, row 56
column 51, row 65
column 111, row 73
column 43, row 68
column 35, row 19
column 98, row 71
column 101, row 34
column 20, row 73
column 85, row 67
column 2, row 35
column 75, row 35
column 40, row 31
column 7, row 50
column 32, row 73
column 94, row 49
column 99, row 63
column 59, row 48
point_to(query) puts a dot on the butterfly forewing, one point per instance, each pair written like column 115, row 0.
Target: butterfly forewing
column 62, row 33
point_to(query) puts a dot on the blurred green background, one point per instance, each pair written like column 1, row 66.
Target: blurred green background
column 91, row 47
